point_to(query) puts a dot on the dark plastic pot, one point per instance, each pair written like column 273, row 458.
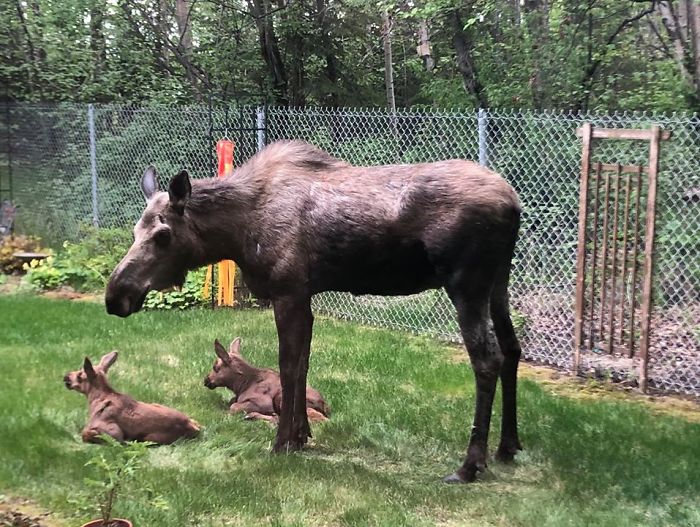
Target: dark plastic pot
column 116, row 522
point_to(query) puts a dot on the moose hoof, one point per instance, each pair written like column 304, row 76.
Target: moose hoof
column 507, row 450
column 459, row 477
column 466, row 474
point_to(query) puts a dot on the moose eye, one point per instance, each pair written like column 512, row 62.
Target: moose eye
column 162, row 236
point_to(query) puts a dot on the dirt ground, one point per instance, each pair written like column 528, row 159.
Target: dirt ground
column 19, row 512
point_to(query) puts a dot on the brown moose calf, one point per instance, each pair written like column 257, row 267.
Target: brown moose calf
column 121, row 416
column 257, row 391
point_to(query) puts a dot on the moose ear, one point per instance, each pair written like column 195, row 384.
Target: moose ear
column 149, row 182
column 107, row 361
column 221, row 352
column 88, row 369
column 179, row 191
column 235, row 347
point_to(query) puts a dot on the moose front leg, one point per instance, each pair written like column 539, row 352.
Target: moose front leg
column 294, row 326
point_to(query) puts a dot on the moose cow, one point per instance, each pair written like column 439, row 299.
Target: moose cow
column 299, row 221
column 257, row 391
column 121, row 416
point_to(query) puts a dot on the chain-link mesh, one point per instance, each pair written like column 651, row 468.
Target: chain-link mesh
column 537, row 152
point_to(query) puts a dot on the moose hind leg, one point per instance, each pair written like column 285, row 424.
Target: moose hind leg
column 508, row 342
column 294, row 327
column 486, row 359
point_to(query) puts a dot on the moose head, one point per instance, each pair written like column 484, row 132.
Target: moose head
column 224, row 371
column 89, row 376
column 164, row 247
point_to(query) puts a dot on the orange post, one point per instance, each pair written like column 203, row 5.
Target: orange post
column 227, row 268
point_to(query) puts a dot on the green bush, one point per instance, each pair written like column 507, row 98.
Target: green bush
column 85, row 265
column 189, row 295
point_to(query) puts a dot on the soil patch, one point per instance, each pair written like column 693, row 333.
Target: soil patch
column 19, row 512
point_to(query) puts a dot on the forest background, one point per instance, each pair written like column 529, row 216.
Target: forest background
column 587, row 55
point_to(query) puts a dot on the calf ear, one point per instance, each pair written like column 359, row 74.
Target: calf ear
column 221, row 352
column 107, row 361
column 235, row 347
column 88, row 369
column 180, row 191
column 149, row 182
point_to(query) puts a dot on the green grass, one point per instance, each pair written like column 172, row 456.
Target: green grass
column 401, row 410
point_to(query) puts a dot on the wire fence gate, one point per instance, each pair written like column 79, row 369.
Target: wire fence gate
column 66, row 165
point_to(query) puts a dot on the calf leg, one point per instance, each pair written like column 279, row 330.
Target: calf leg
column 315, row 416
column 294, row 326
column 508, row 342
column 92, row 432
column 253, row 411
column 486, row 359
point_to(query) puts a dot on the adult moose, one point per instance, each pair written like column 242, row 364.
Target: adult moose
column 299, row 221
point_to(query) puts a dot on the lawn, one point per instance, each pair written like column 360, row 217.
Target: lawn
column 401, row 406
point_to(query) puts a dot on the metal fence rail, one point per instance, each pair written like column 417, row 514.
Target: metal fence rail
column 57, row 188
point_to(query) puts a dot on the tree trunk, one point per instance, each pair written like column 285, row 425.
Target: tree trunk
column 424, row 48
column 329, row 53
column 269, row 47
column 183, row 12
column 98, row 46
column 677, row 33
column 537, row 16
column 388, row 61
column 465, row 60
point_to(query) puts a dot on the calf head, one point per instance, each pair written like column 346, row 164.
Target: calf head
column 90, row 377
column 164, row 246
column 223, row 372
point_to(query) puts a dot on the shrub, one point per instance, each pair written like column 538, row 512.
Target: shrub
column 190, row 295
column 85, row 265
column 14, row 244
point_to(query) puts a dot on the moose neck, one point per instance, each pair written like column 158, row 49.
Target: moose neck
column 220, row 211
column 244, row 375
column 99, row 390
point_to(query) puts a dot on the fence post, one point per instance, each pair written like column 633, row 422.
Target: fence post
column 260, row 126
column 93, row 163
column 482, row 122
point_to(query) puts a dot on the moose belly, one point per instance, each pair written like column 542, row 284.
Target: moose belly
column 392, row 267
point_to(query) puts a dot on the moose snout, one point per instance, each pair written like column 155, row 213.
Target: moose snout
column 208, row 383
column 66, row 381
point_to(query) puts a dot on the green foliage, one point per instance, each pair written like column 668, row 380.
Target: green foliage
column 532, row 54
column 84, row 265
column 114, row 466
column 189, row 295
column 14, row 244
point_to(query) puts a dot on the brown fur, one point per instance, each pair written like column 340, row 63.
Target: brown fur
column 121, row 416
column 257, row 391
column 299, row 222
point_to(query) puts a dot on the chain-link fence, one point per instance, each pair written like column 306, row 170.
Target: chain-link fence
column 50, row 152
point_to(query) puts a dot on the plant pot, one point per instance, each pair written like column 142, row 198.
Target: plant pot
column 116, row 522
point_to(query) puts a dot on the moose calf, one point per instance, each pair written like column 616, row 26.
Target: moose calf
column 121, row 416
column 257, row 391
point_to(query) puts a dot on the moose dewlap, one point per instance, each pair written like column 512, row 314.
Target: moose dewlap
column 298, row 222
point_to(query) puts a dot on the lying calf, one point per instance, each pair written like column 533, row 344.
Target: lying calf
column 257, row 391
column 121, row 416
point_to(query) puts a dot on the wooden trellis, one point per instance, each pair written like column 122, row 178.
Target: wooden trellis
column 614, row 265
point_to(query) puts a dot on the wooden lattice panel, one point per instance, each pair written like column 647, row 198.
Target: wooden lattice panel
column 615, row 250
